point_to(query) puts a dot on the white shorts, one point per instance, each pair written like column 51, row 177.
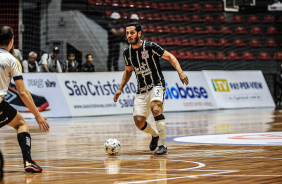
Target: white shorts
column 142, row 102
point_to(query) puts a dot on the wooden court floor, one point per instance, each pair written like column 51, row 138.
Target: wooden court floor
column 230, row 146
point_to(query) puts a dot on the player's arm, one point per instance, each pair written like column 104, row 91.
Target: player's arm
column 28, row 101
column 168, row 56
column 126, row 76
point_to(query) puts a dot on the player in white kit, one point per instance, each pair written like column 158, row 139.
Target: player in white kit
column 10, row 67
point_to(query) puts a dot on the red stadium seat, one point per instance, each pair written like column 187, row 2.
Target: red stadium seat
column 186, row 18
column 256, row 30
column 171, row 17
column 203, row 55
column 192, row 42
column 147, row 4
column 264, row 56
column 162, row 41
column 139, row 4
column 208, row 7
column 271, row 30
column 198, row 30
column 149, row 16
column 161, row 5
column 253, row 19
column 232, row 55
column 220, row 55
column 210, row 30
column 197, row 55
column 159, row 29
column 154, row 39
column 181, row 29
column 170, row 41
column 223, row 42
column 178, row 17
column 189, row 30
column 131, row 3
column 248, row 56
column 181, row 54
column 238, row 42
column 268, row 19
column 221, row 19
column 141, row 16
column 225, row 30
column 164, row 17
column 210, row 42
column 175, row 6
column 185, row 7
column 185, row 42
column 271, row 42
column 211, row 56
column 254, row 42
column 196, row 7
column 168, row 6
column 219, row 7
column 208, row 18
column 144, row 27
column 156, row 17
column 189, row 55
column 196, row 18
column 151, row 28
column 278, row 55
column 200, row 42
column 108, row 13
column 174, row 29
column 240, row 30
column 154, row 5
column 166, row 29
column 177, row 41
column 238, row 19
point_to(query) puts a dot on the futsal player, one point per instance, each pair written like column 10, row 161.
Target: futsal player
column 10, row 67
column 142, row 56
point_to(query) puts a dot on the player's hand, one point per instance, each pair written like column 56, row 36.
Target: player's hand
column 118, row 93
column 184, row 79
column 43, row 125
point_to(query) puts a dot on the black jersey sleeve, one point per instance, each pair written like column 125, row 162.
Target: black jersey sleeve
column 157, row 49
column 126, row 57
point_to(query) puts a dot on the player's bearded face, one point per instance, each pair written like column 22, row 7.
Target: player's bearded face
column 132, row 36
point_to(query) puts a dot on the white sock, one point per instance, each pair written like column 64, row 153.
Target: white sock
column 149, row 129
column 161, row 126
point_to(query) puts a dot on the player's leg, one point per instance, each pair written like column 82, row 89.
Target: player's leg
column 110, row 56
column 157, row 100
column 1, row 168
column 116, row 56
column 141, row 111
column 24, row 140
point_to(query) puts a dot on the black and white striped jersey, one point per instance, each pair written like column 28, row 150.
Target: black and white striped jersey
column 145, row 61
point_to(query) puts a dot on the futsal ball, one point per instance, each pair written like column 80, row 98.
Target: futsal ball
column 112, row 146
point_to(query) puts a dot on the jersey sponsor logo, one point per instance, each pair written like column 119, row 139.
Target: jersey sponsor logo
column 143, row 70
column 220, row 85
column 145, row 54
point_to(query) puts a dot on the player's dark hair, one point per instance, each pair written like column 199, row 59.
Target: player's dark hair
column 86, row 57
column 136, row 24
column 6, row 35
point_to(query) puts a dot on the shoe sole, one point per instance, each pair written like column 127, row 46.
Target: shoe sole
column 161, row 154
column 31, row 169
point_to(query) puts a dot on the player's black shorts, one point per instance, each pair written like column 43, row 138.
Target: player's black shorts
column 1, row 166
column 7, row 113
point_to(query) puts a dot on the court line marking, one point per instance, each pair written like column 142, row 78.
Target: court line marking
column 200, row 165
